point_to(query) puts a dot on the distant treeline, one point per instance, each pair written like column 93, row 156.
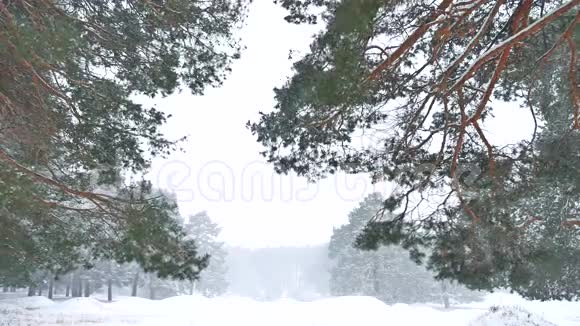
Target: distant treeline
column 270, row 273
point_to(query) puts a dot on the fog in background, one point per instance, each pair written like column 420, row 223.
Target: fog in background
column 300, row 273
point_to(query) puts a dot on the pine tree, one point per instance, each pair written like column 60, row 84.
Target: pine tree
column 70, row 126
column 106, row 274
column 421, row 79
column 212, row 280
column 387, row 273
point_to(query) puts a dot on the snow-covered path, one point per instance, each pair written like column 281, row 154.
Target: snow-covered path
column 230, row 311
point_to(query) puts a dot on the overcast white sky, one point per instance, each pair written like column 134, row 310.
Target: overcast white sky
column 221, row 170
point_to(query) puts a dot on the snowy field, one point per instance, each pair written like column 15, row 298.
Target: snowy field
column 236, row 311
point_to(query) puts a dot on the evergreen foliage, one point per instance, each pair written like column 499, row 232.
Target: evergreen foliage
column 70, row 128
column 212, row 280
column 386, row 273
column 419, row 80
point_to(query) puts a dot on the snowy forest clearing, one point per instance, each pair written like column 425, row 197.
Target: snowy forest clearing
column 197, row 310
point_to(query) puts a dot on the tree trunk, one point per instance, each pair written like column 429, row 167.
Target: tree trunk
column 151, row 288
column 50, row 287
column 444, row 289
column 79, row 288
column 31, row 291
column 135, row 284
column 5, row 289
column 376, row 281
column 298, row 277
column 110, row 282
column 76, row 285
column 446, row 301
column 87, row 288
column 40, row 290
column 109, row 290
column 67, row 291
column 12, row 289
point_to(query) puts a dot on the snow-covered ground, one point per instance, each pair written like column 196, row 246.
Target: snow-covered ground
column 510, row 310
